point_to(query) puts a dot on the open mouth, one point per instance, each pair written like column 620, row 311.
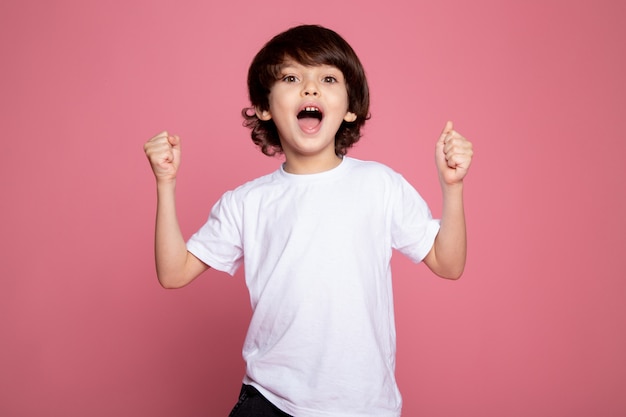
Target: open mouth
column 309, row 118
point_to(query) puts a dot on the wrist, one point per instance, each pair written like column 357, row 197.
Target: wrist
column 166, row 184
column 456, row 187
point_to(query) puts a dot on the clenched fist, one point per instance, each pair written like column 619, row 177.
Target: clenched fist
column 163, row 152
column 453, row 156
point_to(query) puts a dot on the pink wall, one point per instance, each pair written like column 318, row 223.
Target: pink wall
column 536, row 326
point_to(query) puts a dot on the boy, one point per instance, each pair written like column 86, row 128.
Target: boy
column 316, row 236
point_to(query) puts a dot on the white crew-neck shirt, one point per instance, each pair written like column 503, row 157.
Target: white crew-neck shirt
column 316, row 250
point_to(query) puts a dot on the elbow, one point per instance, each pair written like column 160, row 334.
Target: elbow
column 169, row 286
column 453, row 277
column 171, row 283
column 451, row 274
column 445, row 263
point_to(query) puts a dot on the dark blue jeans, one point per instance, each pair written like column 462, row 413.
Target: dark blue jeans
column 253, row 404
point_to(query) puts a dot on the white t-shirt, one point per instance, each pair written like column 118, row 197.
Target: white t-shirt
column 316, row 251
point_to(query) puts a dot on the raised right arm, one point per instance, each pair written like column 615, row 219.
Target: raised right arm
column 175, row 266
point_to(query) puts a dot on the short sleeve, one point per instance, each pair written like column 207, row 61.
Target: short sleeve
column 413, row 230
column 218, row 243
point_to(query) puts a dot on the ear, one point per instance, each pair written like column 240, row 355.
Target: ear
column 349, row 117
column 264, row 115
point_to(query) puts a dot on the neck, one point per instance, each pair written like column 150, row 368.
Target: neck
column 303, row 166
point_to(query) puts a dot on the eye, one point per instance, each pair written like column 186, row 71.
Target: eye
column 290, row 79
column 330, row 79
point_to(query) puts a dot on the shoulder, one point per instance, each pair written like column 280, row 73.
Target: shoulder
column 256, row 186
column 373, row 170
column 259, row 182
column 379, row 179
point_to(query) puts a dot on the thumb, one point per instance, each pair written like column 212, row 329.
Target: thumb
column 444, row 133
column 440, row 155
column 448, row 128
column 174, row 140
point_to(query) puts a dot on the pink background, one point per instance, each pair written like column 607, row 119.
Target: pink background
column 537, row 325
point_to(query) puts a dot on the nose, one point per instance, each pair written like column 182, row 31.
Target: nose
column 310, row 89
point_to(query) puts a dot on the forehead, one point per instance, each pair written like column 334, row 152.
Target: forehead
column 290, row 63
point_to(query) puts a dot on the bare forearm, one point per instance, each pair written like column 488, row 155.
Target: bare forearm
column 450, row 247
column 169, row 245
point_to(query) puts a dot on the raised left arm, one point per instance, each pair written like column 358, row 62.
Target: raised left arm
column 453, row 156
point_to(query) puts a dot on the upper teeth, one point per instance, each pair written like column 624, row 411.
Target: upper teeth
column 311, row 109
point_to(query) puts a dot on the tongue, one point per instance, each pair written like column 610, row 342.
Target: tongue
column 308, row 123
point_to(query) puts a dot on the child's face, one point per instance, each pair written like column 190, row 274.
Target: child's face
column 308, row 105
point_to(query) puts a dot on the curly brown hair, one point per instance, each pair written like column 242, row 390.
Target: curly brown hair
column 307, row 45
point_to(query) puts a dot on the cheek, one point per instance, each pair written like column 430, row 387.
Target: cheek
column 275, row 102
column 345, row 99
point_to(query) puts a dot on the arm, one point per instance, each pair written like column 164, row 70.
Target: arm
column 453, row 157
column 175, row 266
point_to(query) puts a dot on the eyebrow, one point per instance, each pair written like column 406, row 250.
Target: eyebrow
column 295, row 66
